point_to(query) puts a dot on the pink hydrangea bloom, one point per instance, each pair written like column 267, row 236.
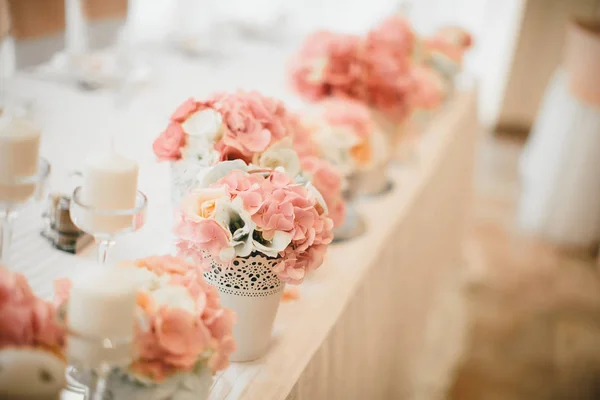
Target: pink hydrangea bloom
column 328, row 181
column 349, row 113
column 302, row 135
column 251, row 123
column 396, row 34
column 430, row 88
column 277, row 205
column 374, row 70
column 326, row 65
column 26, row 320
column 178, row 339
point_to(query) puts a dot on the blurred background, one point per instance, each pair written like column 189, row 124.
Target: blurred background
column 522, row 322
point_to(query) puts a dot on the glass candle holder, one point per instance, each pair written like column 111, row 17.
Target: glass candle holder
column 107, row 225
column 91, row 69
column 91, row 361
column 15, row 193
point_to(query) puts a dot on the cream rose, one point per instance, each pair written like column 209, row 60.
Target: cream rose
column 201, row 203
column 280, row 154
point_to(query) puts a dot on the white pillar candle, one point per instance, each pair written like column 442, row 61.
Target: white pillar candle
column 109, row 183
column 19, row 157
column 102, row 306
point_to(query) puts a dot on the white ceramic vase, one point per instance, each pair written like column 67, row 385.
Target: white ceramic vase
column 253, row 291
column 184, row 178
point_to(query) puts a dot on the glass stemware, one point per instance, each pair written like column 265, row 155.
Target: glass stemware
column 91, row 362
column 16, row 193
column 107, row 225
column 91, row 69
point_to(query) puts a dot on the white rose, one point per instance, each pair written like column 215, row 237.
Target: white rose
column 204, row 128
column 280, row 154
column 172, row 296
column 334, row 144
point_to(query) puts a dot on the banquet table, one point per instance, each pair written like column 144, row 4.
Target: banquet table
column 356, row 330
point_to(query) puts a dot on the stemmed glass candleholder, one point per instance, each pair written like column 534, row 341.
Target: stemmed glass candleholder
column 92, row 69
column 92, row 359
column 106, row 225
column 15, row 193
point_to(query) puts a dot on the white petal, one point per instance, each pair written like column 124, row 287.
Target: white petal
column 220, row 170
column 244, row 249
column 280, row 241
column 174, row 297
column 318, row 196
column 205, row 123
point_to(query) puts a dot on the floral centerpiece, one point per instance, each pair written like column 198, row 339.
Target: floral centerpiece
column 343, row 132
column 183, row 338
column 228, row 126
column 253, row 231
column 244, row 126
column 390, row 70
column 32, row 362
column 375, row 70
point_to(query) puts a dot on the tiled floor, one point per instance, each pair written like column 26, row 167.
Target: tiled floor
column 523, row 322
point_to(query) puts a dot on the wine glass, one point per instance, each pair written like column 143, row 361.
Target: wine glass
column 106, row 225
column 15, row 193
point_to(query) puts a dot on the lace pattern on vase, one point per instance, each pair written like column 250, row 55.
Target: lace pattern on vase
column 249, row 277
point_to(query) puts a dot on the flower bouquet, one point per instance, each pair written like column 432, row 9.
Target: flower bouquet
column 344, row 133
column 183, row 337
column 243, row 126
column 390, row 70
column 32, row 362
column 375, row 70
column 227, row 126
column 253, row 231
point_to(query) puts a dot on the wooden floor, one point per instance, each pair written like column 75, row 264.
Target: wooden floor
column 522, row 320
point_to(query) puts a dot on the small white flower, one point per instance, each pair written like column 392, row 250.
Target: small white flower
column 280, row 154
column 205, row 124
column 233, row 217
column 172, row 296
column 272, row 248
column 335, row 143
column 204, row 129
column 218, row 171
